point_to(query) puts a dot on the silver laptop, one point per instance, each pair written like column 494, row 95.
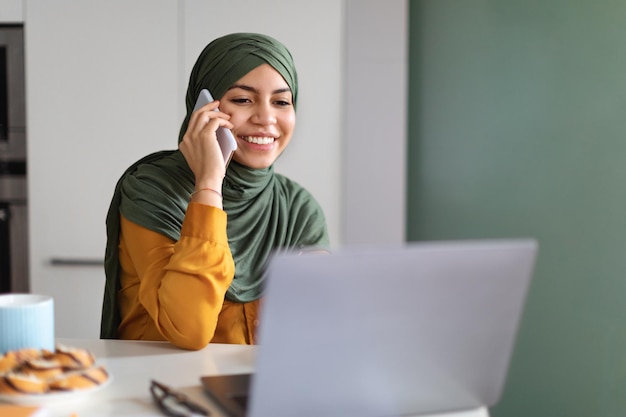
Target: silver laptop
column 386, row 331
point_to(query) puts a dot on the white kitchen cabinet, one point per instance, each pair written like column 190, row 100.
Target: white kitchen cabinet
column 11, row 11
column 102, row 90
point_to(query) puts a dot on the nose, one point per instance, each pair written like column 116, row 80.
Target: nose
column 264, row 114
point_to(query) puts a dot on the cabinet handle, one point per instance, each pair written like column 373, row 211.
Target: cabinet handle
column 76, row 262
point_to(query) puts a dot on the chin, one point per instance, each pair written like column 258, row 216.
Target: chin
column 255, row 163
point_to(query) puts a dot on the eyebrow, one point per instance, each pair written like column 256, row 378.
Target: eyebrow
column 254, row 90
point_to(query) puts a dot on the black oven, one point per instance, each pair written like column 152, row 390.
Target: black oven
column 13, row 185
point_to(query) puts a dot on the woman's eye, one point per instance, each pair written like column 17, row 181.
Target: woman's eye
column 240, row 100
column 282, row 103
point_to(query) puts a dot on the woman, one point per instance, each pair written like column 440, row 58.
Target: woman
column 188, row 239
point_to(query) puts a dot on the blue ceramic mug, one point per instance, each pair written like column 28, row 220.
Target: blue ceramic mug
column 26, row 321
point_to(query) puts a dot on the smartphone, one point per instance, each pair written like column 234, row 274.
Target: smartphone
column 225, row 137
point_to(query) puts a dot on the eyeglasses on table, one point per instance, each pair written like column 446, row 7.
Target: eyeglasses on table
column 173, row 403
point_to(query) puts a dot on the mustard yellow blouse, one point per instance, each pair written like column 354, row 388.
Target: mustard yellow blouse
column 175, row 291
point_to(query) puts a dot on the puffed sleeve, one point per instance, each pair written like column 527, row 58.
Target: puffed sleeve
column 180, row 285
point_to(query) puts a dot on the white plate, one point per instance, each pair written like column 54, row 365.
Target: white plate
column 53, row 397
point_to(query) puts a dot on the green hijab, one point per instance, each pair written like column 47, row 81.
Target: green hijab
column 266, row 211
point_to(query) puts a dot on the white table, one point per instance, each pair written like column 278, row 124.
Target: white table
column 133, row 364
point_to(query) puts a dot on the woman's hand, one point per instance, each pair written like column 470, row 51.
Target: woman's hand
column 202, row 151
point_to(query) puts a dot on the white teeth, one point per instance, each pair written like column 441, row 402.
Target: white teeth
column 258, row 140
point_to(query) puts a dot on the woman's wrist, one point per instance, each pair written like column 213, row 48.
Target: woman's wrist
column 212, row 182
column 207, row 189
column 205, row 194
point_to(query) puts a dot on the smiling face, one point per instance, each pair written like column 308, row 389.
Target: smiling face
column 261, row 108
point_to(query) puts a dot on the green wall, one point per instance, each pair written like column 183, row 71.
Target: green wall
column 517, row 127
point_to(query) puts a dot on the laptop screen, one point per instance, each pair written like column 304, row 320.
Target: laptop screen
column 394, row 330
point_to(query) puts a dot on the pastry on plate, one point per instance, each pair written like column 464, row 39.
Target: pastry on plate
column 17, row 383
column 79, row 380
